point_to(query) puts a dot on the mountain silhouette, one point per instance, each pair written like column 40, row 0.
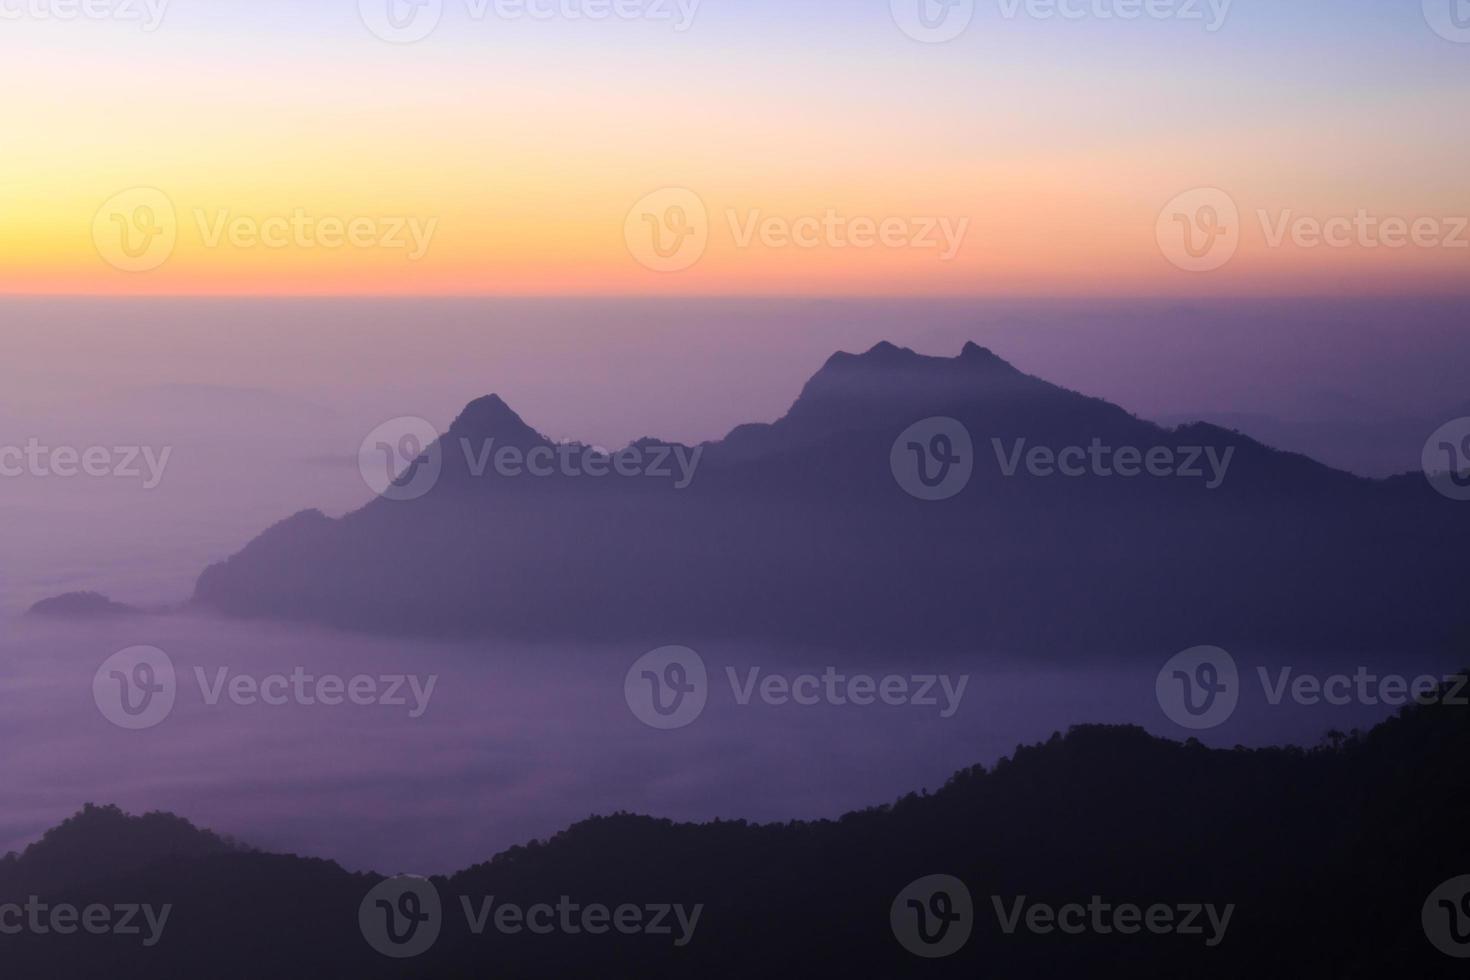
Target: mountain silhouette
column 1325, row 856
column 799, row 531
column 80, row 605
column 102, row 841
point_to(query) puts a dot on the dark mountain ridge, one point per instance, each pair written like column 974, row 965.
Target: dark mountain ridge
column 1325, row 857
column 799, row 531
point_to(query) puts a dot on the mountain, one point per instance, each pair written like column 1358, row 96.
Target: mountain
column 1375, row 447
column 80, row 605
column 1324, row 859
column 799, row 531
column 102, row 841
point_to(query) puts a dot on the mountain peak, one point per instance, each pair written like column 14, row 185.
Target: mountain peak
column 103, row 840
column 80, row 605
column 491, row 418
column 884, row 349
column 974, row 352
column 885, row 354
column 881, row 354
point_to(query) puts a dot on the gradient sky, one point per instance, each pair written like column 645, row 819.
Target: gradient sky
column 527, row 143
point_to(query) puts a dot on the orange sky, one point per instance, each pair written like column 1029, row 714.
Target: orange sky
column 331, row 162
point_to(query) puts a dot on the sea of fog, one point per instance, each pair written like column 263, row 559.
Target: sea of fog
column 515, row 742
column 262, row 407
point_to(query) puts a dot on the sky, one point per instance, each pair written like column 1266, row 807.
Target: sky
column 800, row 147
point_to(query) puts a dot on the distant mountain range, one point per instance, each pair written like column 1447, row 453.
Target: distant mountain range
column 1376, row 447
column 1324, row 860
column 804, row 531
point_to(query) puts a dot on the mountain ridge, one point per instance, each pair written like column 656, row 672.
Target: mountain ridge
column 1325, row 856
column 799, row 531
